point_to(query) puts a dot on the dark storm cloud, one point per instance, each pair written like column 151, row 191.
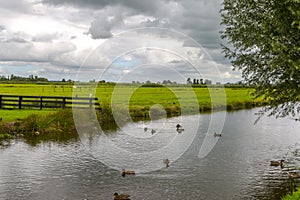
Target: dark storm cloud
column 110, row 14
column 198, row 19
column 138, row 5
column 104, row 22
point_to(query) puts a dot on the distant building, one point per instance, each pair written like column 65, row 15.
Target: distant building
column 208, row 82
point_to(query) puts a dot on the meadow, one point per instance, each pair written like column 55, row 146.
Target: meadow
column 173, row 98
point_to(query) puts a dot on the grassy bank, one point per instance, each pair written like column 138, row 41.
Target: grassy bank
column 15, row 115
column 177, row 99
column 139, row 100
column 294, row 196
column 56, row 126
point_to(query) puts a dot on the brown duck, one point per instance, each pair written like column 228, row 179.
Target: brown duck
column 121, row 196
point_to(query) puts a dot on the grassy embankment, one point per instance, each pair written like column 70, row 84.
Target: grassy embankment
column 294, row 196
column 174, row 99
column 56, row 126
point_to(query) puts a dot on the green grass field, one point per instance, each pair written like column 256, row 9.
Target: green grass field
column 136, row 98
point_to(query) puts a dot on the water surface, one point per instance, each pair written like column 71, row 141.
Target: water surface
column 236, row 168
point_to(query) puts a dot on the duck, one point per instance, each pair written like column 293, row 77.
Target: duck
column 277, row 163
column 127, row 172
column 145, row 129
column 217, row 135
column 153, row 131
column 178, row 126
column 166, row 162
column 121, row 196
column 294, row 175
column 36, row 133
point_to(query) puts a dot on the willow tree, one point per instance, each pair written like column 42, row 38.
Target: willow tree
column 262, row 40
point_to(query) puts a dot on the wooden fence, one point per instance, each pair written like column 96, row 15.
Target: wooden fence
column 40, row 102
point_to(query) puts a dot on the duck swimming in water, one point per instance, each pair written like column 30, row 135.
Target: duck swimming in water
column 294, row 175
column 166, row 162
column 277, row 163
column 179, row 128
column 121, row 196
column 217, row 135
column 127, row 172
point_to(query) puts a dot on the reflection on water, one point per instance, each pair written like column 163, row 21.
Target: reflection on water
column 58, row 137
column 237, row 167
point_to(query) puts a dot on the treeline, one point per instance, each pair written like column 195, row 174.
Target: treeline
column 30, row 78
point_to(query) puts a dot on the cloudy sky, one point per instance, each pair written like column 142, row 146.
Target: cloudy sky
column 111, row 40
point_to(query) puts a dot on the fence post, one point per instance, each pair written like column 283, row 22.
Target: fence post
column 0, row 101
column 41, row 103
column 20, row 102
column 91, row 100
column 64, row 102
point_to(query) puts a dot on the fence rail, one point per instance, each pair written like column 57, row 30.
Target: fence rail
column 40, row 102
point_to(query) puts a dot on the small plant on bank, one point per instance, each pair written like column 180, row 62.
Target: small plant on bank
column 294, row 196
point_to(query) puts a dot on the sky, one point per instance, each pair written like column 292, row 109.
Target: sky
column 120, row 41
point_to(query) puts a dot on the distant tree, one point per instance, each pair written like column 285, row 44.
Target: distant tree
column 197, row 81
column 201, row 81
column 188, row 81
column 264, row 42
column 63, row 80
column 41, row 79
column 3, row 78
column 148, row 82
column 194, row 81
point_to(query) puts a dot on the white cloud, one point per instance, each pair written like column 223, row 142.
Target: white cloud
column 2, row 70
column 226, row 75
column 57, row 35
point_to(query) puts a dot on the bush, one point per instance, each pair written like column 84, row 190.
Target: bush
column 5, row 136
column 60, row 121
